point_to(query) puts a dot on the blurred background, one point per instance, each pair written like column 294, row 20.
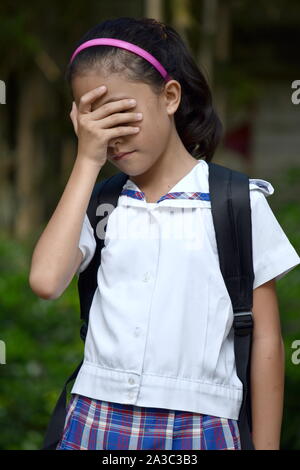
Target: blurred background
column 249, row 53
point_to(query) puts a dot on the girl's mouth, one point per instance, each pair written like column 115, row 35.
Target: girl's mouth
column 123, row 155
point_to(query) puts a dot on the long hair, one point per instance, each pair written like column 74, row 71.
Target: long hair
column 196, row 120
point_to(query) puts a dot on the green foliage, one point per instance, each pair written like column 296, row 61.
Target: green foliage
column 288, row 289
column 43, row 347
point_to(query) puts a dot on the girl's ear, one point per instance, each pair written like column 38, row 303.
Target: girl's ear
column 73, row 116
column 172, row 94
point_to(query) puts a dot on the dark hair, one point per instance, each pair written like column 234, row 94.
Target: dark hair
column 197, row 123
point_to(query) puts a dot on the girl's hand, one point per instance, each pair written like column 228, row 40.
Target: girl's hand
column 94, row 129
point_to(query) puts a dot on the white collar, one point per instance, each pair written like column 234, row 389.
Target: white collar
column 195, row 181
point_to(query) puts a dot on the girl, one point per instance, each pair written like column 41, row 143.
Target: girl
column 159, row 369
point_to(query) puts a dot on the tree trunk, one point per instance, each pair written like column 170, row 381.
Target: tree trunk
column 153, row 9
column 29, row 155
column 208, row 36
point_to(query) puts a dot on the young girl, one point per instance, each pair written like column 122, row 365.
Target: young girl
column 159, row 368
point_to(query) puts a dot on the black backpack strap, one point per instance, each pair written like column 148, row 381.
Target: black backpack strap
column 106, row 191
column 87, row 281
column 58, row 417
column 231, row 212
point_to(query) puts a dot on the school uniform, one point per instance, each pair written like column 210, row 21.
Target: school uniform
column 159, row 366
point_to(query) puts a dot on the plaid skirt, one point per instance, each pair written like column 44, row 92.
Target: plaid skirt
column 99, row 425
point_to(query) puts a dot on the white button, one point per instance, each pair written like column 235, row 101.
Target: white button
column 137, row 331
column 146, row 277
column 130, row 395
column 131, row 380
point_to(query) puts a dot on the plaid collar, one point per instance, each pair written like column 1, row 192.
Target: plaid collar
column 131, row 189
column 176, row 195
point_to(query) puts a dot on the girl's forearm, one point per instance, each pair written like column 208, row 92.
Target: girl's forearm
column 267, row 392
column 57, row 248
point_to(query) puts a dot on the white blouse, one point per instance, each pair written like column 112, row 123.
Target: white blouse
column 160, row 327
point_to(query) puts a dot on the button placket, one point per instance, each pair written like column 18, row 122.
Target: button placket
column 146, row 277
column 131, row 393
column 137, row 331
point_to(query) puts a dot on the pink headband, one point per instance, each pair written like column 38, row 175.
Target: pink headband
column 124, row 45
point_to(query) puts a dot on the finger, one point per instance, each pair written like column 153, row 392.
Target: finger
column 118, row 119
column 86, row 100
column 112, row 107
column 121, row 130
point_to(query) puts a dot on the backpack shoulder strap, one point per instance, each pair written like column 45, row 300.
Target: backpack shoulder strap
column 103, row 201
column 231, row 212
